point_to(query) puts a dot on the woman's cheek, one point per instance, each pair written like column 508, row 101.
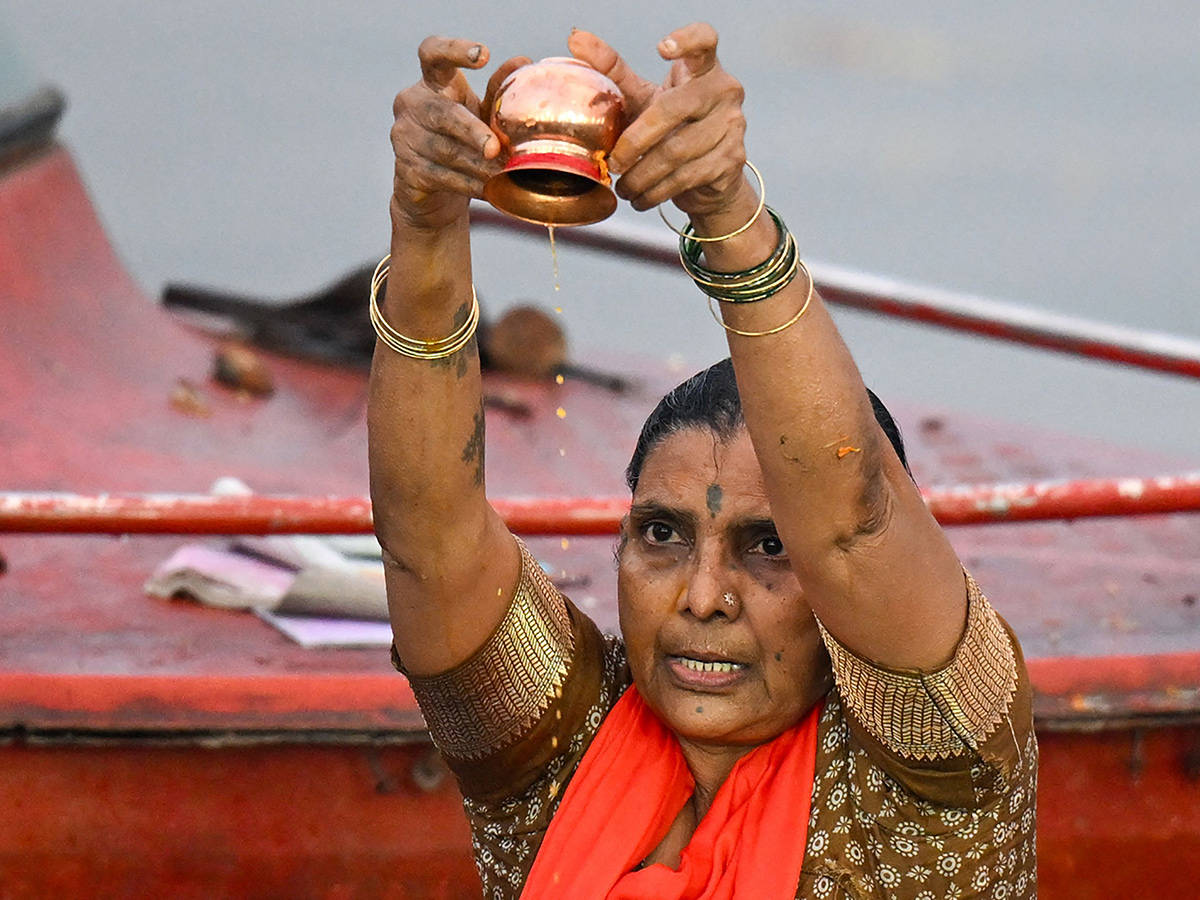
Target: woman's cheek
column 644, row 576
column 647, row 596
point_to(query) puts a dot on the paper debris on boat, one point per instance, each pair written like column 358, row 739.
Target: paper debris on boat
column 219, row 577
column 319, row 590
column 351, row 593
column 311, row 591
column 313, row 632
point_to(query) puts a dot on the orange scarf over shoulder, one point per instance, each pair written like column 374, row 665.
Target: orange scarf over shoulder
column 630, row 786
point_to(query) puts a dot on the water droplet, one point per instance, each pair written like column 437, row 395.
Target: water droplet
column 554, row 257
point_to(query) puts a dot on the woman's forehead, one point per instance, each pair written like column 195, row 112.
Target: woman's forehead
column 697, row 463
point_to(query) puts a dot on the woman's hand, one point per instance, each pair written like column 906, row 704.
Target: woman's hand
column 444, row 149
column 685, row 142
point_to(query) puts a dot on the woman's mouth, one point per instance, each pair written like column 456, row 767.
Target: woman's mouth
column 705, row 674
column 698, row 666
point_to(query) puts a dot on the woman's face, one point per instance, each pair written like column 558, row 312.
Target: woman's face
column 721, row 642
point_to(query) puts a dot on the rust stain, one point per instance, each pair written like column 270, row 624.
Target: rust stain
column 189, row 400
column 239, row 368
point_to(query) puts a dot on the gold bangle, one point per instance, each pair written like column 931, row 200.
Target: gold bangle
column 792, row 321
column 411, row 347
column 762, row 200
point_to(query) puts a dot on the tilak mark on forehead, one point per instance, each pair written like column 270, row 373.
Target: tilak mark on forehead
column 713, row 499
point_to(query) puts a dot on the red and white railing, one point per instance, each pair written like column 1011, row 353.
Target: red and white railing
column 60, row 513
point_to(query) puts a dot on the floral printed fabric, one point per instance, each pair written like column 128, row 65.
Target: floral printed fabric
column 870, row 837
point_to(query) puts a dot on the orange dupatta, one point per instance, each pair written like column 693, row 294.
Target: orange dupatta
column 629, row 787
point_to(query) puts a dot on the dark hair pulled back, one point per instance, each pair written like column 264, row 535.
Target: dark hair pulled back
column 710, row 400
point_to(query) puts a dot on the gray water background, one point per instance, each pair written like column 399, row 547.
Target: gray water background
column 1041, row 152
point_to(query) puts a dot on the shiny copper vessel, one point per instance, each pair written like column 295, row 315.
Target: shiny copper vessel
column 557, row 121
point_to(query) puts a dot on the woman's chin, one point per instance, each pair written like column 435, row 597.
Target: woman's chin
column 712, row 719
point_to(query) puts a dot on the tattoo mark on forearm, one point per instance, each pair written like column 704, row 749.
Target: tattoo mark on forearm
column 461, row 359
column 473, row 451
column 713, row 499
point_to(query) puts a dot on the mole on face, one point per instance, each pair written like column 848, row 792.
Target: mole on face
column 713, row 499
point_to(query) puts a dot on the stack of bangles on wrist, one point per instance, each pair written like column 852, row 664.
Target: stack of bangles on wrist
column 754, row 284
column 406, row 346
column 763, row 281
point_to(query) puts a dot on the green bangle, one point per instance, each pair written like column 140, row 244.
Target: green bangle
column 751, row 285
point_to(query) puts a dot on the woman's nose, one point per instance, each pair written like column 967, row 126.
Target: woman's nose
column 710, row 591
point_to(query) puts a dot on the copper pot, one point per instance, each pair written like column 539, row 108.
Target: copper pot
column 557, row 121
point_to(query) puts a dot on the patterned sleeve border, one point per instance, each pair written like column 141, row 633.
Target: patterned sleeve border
column 935, row 715
column 489, row 701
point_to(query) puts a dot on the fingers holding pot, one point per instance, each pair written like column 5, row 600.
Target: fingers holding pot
column 696, row 167
column 688, row 144
column 444, row 152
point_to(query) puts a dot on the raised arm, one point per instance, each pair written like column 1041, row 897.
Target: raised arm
column 451, row 564
column 875, row 566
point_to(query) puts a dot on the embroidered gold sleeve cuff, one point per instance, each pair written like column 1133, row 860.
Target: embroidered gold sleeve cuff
column 935, row 715
column 489, row 701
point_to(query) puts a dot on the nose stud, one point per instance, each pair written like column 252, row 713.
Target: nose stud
column 728, row 598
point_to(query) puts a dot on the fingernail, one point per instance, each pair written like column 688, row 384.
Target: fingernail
column 473, row 53
column 669, row 45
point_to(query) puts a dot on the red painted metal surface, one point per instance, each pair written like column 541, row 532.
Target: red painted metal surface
column 918, row 303
column 134, row 820
column 133, row 514
column 107, row 514
column 325, row 701
column 1119, row 814
column 1077, row 499
column 961, row 505
column 1106, row 609
column 1089, row 693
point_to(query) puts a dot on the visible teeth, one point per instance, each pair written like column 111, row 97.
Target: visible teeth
column 697, row 666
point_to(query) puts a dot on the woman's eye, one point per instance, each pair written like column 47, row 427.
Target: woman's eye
column 659, row 533
column 771, row 546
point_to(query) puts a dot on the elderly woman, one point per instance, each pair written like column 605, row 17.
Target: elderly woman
column 809, row 698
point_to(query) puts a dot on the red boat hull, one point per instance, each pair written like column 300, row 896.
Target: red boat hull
column 1120, row 817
